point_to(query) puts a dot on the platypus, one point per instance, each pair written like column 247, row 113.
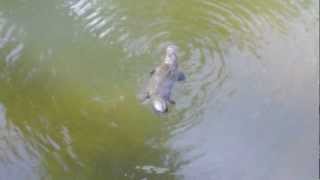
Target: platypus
column 163, row 77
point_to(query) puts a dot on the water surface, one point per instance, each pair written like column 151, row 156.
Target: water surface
column 71, row 71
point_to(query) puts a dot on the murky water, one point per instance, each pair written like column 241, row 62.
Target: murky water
column 71, row 70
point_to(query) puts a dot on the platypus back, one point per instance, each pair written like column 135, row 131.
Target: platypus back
column 162, row 80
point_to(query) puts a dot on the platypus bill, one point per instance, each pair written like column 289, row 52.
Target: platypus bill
column 163, row 77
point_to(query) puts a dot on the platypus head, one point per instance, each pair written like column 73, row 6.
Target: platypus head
column 171, row 54
column 159, row 105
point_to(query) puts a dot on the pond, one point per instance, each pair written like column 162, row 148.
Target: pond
column 71, row 72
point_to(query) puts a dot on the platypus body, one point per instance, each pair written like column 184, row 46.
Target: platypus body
column 162, row 80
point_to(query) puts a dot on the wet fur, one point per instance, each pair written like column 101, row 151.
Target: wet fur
column 162, row 81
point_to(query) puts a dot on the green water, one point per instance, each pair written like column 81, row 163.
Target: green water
column 71, row 72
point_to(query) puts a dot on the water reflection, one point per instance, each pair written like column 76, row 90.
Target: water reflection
column 100, row 18
column 203, row 30
column 10, row 46
column 19, row 159
column 91, row 141
column 75, row 67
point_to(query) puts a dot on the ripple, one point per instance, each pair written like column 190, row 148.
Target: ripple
column 11, row 47
column 2, row 116
column 19, row 158
column 96, row 17
column 204, row 30
column 203, row 34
